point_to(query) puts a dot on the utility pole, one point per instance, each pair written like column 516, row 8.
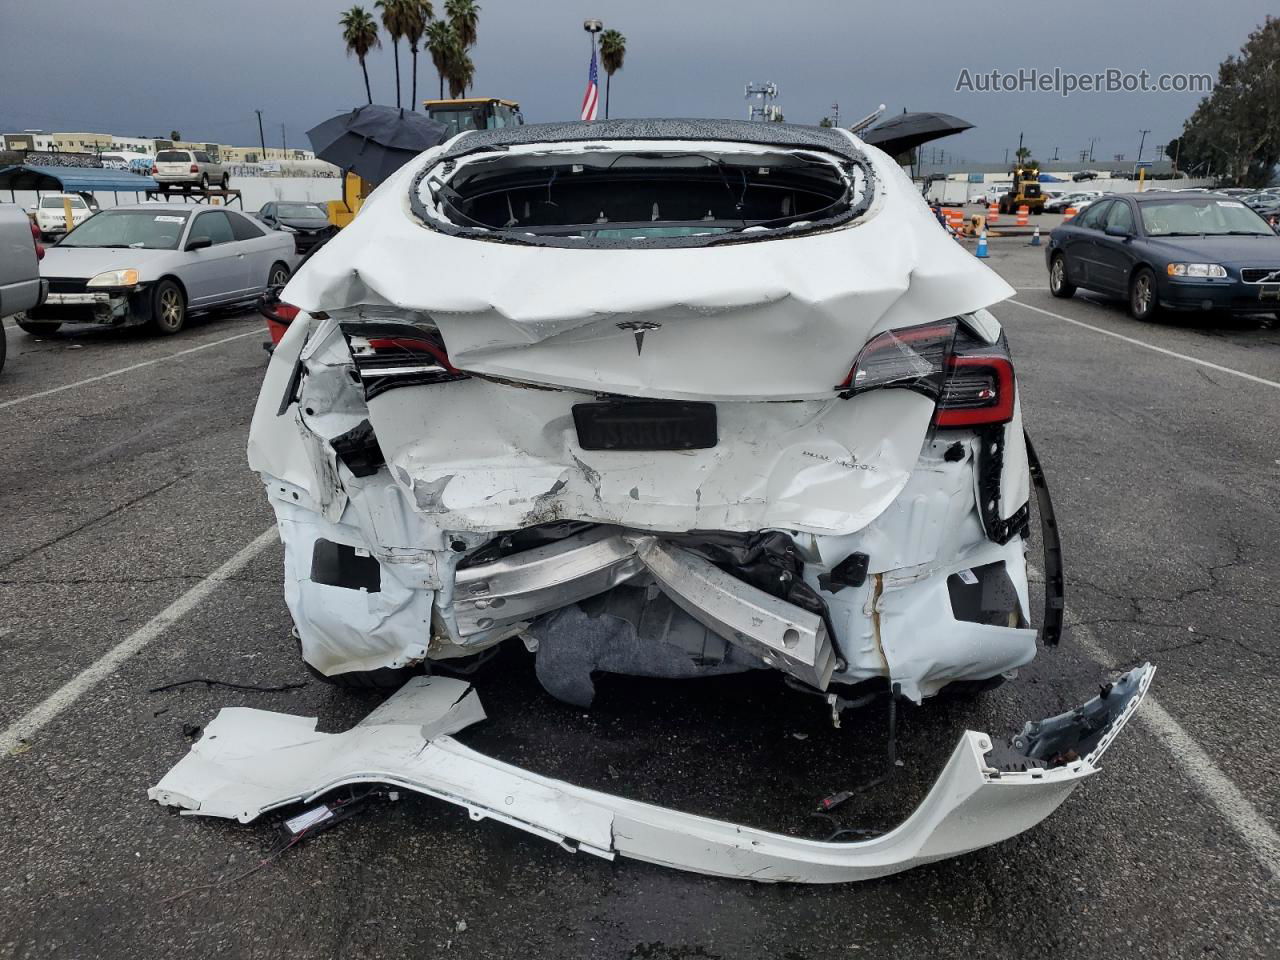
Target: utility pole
column 1055, row 153
column 1092, row 141
column 283, row 145
column 1006, row 156
column 261, row 137
column 1142, row 142
column 835, row 118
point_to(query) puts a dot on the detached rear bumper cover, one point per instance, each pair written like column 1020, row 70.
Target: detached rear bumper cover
column 253, row 761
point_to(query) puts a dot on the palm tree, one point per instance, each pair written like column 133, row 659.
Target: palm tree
column 440, row 44
column 418, row 13
column 613, row 50
column 393, row 17
column 360, row 32
column 464, row 16
column 461, row 72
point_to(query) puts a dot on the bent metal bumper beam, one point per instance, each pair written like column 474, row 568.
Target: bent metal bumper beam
column 252, row 761
column 524, row 585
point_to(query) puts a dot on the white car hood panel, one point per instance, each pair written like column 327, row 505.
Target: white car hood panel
column 83, row 263
column 753, row 320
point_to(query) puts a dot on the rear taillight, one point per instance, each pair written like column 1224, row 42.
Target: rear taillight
column 35, row 239
column 400, row 348
column 154, row 169
column 971, row 381
column 194, row 168
column 978, row 390
column 913, row 357
column 391, row 354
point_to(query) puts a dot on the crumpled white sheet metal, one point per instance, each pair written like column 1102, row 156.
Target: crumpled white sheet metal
column 474, row 459
column 252, row 761
column 783, row 308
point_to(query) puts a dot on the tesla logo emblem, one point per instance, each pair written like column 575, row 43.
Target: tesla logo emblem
column 640, row 328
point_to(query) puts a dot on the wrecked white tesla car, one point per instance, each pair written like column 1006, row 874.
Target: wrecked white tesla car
column 659, row 398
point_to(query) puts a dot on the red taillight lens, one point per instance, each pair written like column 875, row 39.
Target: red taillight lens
column 972, row 382
column 35, row 239
column 979, row 390
column 412, row 345
column 390, row 354
column 194, row 168
column 154, row 170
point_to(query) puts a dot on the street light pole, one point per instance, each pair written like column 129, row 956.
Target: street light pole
column 262, row 139
column 1142, row 142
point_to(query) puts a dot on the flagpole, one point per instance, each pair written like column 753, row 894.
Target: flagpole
column 593, row 27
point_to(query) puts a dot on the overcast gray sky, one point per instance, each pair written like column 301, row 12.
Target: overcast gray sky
column 145, row 66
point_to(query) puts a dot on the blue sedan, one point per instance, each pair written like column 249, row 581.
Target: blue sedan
column 1171, row 251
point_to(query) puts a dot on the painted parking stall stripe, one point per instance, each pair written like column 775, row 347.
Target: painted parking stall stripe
column 1150, row 346
column 1192, row 759
column 129, row 369
column 47, row 710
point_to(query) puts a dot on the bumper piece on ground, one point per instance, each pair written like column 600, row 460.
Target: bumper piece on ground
column 252, row 761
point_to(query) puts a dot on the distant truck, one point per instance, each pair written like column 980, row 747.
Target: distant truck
column 475, row 113
column 1024, row 192
column 21, row 288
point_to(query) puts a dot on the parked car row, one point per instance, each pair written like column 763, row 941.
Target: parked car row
column 150, row 263
column 1076, row 199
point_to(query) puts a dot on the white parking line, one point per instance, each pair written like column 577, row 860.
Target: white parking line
column 135, row 366
column 1150, row 346
column 1194, row 761
column 71, row 691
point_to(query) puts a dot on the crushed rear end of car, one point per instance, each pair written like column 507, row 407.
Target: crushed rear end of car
column 656, row 398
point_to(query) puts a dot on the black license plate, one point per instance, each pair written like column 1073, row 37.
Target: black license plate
column 1269, row 291
column 645, row 425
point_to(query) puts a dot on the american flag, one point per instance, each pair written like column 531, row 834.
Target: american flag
column 591, row 99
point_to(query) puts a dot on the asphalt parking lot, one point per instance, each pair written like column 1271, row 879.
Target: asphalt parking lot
column 139, row 548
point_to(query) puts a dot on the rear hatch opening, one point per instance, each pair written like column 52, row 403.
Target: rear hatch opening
column 641, row 194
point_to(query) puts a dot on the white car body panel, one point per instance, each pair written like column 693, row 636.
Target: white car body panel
column 551, row 315
column 498, row 452
column 252, row 761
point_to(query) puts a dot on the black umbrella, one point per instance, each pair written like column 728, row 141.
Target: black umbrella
column 375, row 141
column 907, row 131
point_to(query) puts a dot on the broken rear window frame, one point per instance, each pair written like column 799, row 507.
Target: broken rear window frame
column 855, row 173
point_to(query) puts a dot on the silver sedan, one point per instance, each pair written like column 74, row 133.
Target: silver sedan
column 156, row 263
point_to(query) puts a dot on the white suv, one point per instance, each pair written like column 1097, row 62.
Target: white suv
column 51, row 213
column 189, row 166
